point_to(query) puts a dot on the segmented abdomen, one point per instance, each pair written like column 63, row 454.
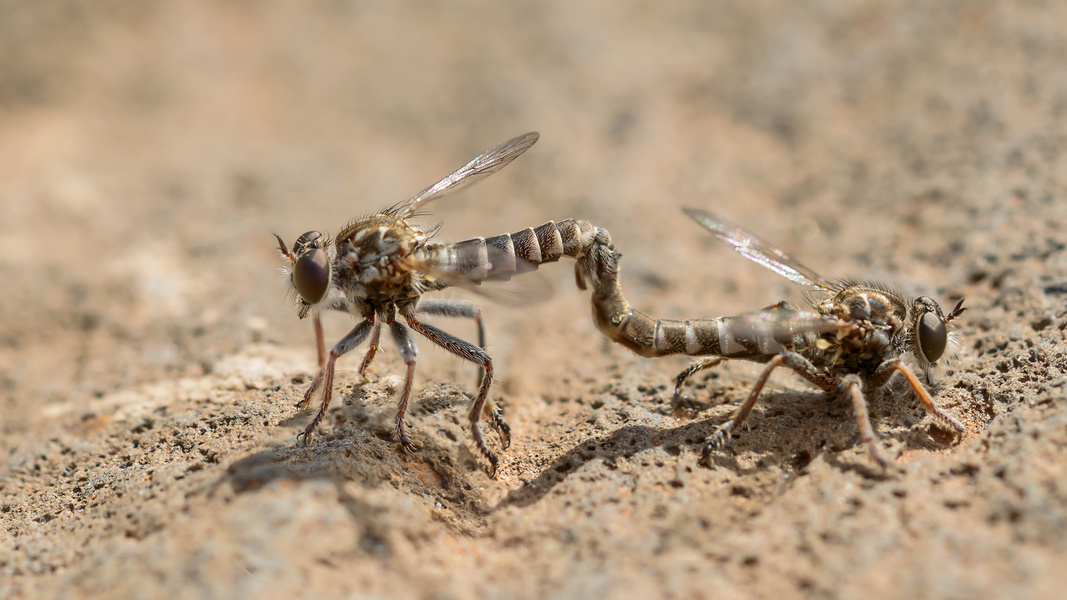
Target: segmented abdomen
column 503, row 256
column 758, row 336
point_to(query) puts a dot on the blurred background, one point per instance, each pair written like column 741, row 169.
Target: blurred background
column 149, row 149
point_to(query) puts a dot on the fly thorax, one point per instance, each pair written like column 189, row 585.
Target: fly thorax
column 375, row 252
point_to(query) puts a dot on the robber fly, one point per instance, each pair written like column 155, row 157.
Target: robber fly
column 381, row 265
column 853, row 337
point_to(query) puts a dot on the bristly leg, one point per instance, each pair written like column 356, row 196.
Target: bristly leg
column 408, row 352
column 496, row 420
column 325, row 376
column 464, row 309
column 468, row 351
column 447, row 307
column 693, row 369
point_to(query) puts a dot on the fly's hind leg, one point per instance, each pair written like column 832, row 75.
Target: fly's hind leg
column 693, row 369
column 469, row 310
column 325, row 376
column 454, row 308
column 794, row 361
column 468, row 351
column 408, row 351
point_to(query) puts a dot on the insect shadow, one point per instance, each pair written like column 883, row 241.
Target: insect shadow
column 824, row 438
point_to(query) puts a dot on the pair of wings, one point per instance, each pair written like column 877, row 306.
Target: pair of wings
column 501, row 155
column 530, row 289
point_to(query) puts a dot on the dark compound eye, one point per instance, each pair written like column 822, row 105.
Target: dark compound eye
column 311, row 274
column 933, row 336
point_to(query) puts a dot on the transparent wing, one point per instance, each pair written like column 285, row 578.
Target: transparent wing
column 484, row 165
column 783, row 323
column 492, row 276
column 757, row 250
column 531, row 289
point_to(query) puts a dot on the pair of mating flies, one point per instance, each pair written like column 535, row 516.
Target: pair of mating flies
column 853, row 338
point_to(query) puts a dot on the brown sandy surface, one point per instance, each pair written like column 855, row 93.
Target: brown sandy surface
column 149, row 363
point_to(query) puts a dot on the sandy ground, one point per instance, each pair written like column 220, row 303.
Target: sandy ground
column 149, row 363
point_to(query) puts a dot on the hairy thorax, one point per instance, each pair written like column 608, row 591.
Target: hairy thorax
column 876, row 324
column 374, row 262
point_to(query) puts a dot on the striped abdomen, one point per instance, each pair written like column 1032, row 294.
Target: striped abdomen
column 758, row 336
column 503, row 256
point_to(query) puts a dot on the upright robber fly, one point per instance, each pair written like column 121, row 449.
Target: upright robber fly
column 380, row 267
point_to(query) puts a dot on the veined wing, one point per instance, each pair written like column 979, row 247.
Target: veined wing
column 757, row 250
column 483, row 165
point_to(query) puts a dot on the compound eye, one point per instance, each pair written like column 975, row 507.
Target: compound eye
column 311, row 275
column 933, row 336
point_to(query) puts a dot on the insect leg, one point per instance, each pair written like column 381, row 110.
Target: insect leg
column 885, row 371
column 462, row 308
column 693, row 369
column 456, row 308
column 794, row 361
column 320, row 343
column 407, row 348
column 375, row 337
column 325, row 376
column 469, row 351
column 863, row 421
column 339, row 304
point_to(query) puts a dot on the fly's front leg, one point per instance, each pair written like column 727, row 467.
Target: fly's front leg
column 325, row 376
column 885, row 371
column 794, row 361
column 863, row 419
column 469, row 351
column 339, row 304
column 408, row 351
column 456, row 308
column 320, row 343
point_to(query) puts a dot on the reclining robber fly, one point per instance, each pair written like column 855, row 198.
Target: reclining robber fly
column 854, row 339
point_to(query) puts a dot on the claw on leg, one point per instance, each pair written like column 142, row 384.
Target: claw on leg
column 325, row 376
column 926, row 400
column 468, row 351
column 715, row 441
column 408, row 352
column 794, row 361
column 495, row 417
